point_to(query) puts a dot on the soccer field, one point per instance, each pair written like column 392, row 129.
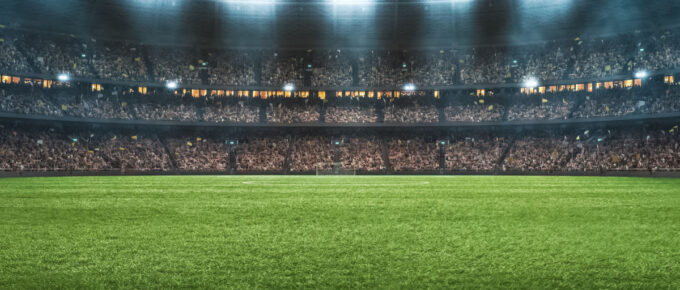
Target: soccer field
column 339, row 232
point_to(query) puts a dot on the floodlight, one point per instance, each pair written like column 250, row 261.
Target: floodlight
column 171, row 85
column 531, row 83
column 288, row 87
column 409, row 87
column 641, row 74
column 351, row 2
column 63, row 77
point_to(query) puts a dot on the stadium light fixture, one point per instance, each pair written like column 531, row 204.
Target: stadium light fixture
column 63, row 77
column 641, row 74
column 409, row 87
column 171, row 85
column 351, row 2
column 531, row 83
column 252, row 2
column 288, row 87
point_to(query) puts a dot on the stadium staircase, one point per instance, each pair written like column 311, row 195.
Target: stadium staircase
column 232, row 159
column 505, row 113
column 506, row 151
column 171, row 156
column 386, row 155
column 337, row 159
column 263, row 113
column 51, row 101
column 28, row 59
column 147, row 62
column 199, row 113
column 258, row 70
column 130, row 111
column 93, row 70
column 355, row 72
column 380, row 111
column 570, row 68
column 442, row 115
column 322, row 114
column 286, row 162
column 442, row 158
column 579, row 101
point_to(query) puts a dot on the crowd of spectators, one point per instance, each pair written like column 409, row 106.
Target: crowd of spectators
column 475, row 154
column 120, row 61
column 235, row 113
column 59, row 54
column 29, row 103
column 553, row 60
column 311, row 153
column 654, row 151
column 97, row 108
column 290, row 113
column 232, row 68
column 332, row 68
column 548, row 62
column 411, row 114
column 180, row 65
column 199, row 154
column 413, row 154
column 11, row 59
column 262, row 155
column 474, row 113
column 24, row 149
column 278, row 70
column 433, row 68
column 537, row 154
column 378, row 68
column 668, row 101
column 52, row 151
column 45, row 151
column 362, row 153
column 540, row 108
column 155, row 111
column 131, row 152
column 614, row 103
column 344, row 114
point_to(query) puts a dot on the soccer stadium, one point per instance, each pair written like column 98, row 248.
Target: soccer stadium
column 352, row 144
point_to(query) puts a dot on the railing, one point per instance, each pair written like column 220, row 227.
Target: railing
column 396, row 87
column 600, row 120
column 666, row 172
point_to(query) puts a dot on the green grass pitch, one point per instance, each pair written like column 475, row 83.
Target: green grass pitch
column 339, row 232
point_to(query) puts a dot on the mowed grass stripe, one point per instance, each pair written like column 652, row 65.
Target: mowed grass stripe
column 311, row 232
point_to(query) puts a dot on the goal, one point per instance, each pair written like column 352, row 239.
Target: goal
column 335, row 168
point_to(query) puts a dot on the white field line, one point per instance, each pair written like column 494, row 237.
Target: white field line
column 336, row 184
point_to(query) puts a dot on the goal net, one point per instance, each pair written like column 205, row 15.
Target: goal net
column 335, row 169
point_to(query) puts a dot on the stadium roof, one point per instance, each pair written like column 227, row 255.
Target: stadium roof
column 340, row 23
